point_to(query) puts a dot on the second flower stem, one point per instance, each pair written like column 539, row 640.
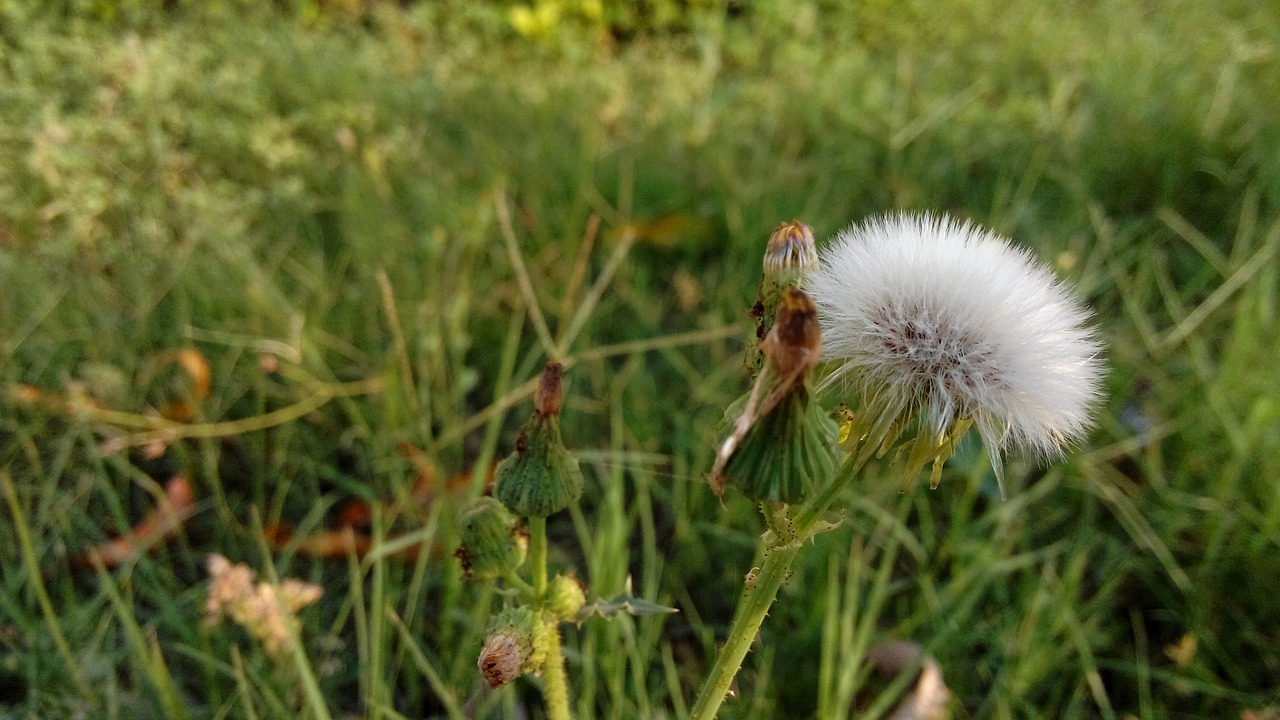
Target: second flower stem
column 555, row 683
column 538, row 556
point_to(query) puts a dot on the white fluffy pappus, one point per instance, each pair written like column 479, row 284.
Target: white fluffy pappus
column 946, row 322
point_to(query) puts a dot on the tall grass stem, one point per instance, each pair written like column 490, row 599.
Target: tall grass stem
column 37, row 583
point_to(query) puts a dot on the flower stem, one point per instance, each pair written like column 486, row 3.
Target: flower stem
column 780, row 551
column 555, row 683
column 756, row 600
column 538, row 555
column 812, row 511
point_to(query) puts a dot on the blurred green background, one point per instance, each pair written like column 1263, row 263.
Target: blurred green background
column 312, row 193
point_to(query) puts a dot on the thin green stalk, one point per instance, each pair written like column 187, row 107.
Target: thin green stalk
column 42, row 595
column 146, row 653
column 312, row 696
column 538, row 555
column 526, row 591
column 555, row 684
column 443, row 692
column 812, row 511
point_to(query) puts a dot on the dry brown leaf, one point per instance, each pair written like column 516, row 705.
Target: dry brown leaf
column 332, row 544
column 193, row 364
column 359, row 513
column 927, row 699
column 325, row 544
column 172, row 513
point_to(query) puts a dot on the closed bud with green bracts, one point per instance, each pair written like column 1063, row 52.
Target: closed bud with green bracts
column 782, row 442
column 516, row 645
column 492, row 542
column 565, row 597
column 786, row 453
column 541, row 477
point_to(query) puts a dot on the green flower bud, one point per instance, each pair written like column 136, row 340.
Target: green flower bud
column 492, row 542
column 786, row 452
column 792, row 443
column 541, row 477
column 516, row 645
column 565, row 597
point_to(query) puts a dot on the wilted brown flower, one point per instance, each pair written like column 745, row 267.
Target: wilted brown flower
column 268, row 612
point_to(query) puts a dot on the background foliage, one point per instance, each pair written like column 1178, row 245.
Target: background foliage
column 322, row 182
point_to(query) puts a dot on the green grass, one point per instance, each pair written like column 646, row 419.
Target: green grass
column 330, row 190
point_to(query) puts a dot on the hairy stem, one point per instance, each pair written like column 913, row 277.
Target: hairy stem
column 780, row 550
column 757, row 598
column 555, row 683
column 538, row 556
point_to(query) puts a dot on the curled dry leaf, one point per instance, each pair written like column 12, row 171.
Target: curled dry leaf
column 172, row 513
column 78, row 401
column 329, row 544
column 927, row 699
column 323, row 544
column 184, row 406
column 426, row 487
column 354, row 519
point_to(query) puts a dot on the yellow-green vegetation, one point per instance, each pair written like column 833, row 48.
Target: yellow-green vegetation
column 317, row 202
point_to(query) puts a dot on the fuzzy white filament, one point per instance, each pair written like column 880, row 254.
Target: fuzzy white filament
column 933, row 318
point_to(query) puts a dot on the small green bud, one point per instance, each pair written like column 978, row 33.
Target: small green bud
column 492, row 542
column 516, row 645
column 541, row 477
column 565, row 597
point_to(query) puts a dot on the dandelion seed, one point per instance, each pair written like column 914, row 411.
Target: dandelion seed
column 944, row 323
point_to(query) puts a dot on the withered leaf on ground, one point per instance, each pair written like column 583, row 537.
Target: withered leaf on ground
column 173, row 512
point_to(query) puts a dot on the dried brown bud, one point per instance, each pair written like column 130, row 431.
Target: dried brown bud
column 546, row 399
column 794, row 343
column 501, row 660
column 928, row 697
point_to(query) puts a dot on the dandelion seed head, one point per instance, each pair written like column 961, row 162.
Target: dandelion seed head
column 941, row 320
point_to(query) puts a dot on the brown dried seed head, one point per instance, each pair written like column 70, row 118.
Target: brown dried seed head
column 794, row 343
column 501, row 660
column 546, row 399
